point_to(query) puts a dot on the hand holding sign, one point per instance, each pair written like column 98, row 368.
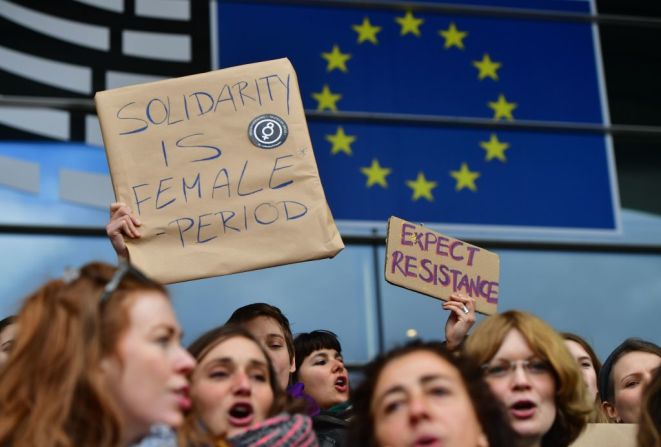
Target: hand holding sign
column 460, row 320
column 122, row 224
column 219, row 169
column 436, row 265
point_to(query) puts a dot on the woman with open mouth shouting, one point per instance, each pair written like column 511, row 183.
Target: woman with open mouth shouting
column 320, row 368
column 237, row 399
column 532, row 373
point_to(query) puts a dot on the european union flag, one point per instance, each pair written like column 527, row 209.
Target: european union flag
column 408, row 62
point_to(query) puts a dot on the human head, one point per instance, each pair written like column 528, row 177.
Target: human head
column 271, row 328
column 466, row 412
column 320, row 367
column 78, row 384
column 556, row 387
column 649, row 424
column 234, row 386
column 624, row 375
column 7, row 336
column 587, row 360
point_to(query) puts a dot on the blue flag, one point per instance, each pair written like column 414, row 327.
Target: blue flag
column 407, row 62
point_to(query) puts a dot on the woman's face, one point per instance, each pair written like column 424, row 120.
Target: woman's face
column 272, row 338
column 231, row 387
column 525, row 386
column 631, row 374
column 148, row 373
column 325, row 379
column 7, row 337
column 420, row 399
column 585, row 365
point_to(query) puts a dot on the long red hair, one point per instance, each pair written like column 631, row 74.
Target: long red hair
column 52, row 391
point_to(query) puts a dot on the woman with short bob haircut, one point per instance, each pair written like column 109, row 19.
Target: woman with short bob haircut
column 420, row 392
column 532, row 373
column 320, row 369
column 96, row 362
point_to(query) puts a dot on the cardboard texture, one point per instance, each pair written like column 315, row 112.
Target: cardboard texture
column 220, row 170
column 608, row 435
column 437, row 265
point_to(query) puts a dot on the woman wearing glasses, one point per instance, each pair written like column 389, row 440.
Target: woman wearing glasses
column 96, row 362
column 531, row 372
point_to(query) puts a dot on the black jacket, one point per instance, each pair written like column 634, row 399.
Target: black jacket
column 332, row 428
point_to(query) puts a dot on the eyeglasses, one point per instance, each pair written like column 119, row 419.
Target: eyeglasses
column 505, row 368
column 123, row 270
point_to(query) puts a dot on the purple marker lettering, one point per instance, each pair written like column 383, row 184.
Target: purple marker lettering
column 452, row 254
column 442, row 246
column 406, row 236
column 471, row 254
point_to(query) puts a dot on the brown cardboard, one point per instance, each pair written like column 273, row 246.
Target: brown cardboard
column 608, row 435
column 428, row 262
column 199, row 161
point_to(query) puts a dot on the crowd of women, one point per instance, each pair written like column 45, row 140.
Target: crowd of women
column 94, row 359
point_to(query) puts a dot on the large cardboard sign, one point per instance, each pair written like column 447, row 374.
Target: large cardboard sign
column 219, row 168
column 437, row 265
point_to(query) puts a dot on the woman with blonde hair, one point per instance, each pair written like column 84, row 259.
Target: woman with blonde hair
column 96, row 362
column 531, row 372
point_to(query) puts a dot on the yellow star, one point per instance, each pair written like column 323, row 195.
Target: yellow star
column 326, row 99
column 494, row 148
column 487, row 68
column 366, row 31
column 453, row 37
column 465, row 178
column 341, row 141
column 409, row 24
column 336, row 59
column 376, row 174
column 421, row 187
column 502, row 108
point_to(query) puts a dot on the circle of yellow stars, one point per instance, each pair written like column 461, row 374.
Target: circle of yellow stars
column 377, row 175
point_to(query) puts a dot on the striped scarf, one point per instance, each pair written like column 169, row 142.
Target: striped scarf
column 283, row 430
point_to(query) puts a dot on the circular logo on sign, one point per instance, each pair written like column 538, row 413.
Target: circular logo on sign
column 267, row 131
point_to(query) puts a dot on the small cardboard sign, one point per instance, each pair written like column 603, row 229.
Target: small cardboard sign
column 437, row 265
column 219, row 169
column 608, row 435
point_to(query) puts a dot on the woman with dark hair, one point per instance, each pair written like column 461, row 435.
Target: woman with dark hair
column 589, row 364
column 320, row 368
column 237, row 399
column 624, row 375
column 421, row 394
column 7, row 336
column 271, row 328
column 531, row 372
column 96, row 362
